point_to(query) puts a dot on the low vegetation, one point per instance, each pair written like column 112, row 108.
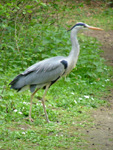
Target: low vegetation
column 32, row 31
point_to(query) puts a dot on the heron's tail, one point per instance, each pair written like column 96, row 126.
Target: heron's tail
column 17, row 83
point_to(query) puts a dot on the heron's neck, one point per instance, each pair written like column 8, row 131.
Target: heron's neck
column 73, row 56
column 75, row 45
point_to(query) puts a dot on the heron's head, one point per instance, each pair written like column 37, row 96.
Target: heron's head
column 80, row 25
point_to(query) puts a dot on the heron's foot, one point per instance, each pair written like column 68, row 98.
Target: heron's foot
column 30, row 119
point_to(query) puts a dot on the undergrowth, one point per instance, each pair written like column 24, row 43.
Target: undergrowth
column 24, row 41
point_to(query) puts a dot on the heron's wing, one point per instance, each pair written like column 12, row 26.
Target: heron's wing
column 45, row 71
column 43, row 65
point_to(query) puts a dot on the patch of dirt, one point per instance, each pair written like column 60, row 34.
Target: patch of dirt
column 106, row 38
column 100, row 136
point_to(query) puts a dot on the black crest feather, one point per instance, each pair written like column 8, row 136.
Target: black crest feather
column 77, row 24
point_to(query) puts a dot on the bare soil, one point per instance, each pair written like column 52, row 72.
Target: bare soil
column 100, row 135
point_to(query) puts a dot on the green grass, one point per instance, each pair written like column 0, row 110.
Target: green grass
column 68, row 103
column 70, row 100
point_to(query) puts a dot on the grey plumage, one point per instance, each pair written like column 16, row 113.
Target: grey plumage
column 40, row 74
column 44, row 73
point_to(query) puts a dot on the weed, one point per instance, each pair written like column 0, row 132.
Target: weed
column 29, row 39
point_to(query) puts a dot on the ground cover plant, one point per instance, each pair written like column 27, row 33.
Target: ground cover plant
column 30, row 34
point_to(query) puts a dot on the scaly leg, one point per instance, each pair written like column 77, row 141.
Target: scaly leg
column 32, row 95
column 43, row 102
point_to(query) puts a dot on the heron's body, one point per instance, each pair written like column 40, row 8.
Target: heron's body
column 40, row 74
column 44, row 73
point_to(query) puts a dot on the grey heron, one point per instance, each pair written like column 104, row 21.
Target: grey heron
column 46, row 72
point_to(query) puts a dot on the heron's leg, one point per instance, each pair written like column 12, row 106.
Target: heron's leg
column 43, row 102
column 32, row 95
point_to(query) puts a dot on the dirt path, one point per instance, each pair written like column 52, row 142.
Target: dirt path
column 100, row 136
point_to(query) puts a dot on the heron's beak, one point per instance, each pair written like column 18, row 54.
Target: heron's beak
column 94, row 28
